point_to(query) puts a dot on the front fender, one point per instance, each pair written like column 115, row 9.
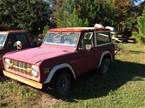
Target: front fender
column 56, row 68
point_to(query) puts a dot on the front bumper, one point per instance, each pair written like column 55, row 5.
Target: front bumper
column 23, row 80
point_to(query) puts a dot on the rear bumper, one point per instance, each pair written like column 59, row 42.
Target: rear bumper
column 23, row 80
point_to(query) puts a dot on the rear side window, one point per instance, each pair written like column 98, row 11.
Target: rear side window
column 10, row 41
column 14, row 37
column 103, row 38
column 23, row 38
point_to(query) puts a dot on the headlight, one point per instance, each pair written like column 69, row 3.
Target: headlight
column 7, row 63
column 35, row 71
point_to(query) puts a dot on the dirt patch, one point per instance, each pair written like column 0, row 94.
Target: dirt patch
column 47, row 100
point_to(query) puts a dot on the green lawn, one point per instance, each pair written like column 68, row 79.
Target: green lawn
column 123, row 87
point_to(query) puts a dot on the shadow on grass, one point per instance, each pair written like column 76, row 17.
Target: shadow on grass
column 136, row 52
column 93, row 85
column 2, row 77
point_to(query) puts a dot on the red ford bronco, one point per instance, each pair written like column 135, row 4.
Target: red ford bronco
column 66, row 53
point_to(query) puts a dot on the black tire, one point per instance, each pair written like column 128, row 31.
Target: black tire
column 62, row 83
column 105, row 65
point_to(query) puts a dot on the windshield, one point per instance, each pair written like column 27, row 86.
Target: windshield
column 62, row 38
column 2, row 39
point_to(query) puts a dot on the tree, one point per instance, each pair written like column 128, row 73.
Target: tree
column 140, row 35
column 67, row 15
column 24, row 14
column 83, row 12
column 96, row 11
column 126, row 14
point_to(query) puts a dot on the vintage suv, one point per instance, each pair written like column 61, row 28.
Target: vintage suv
column 66, row 53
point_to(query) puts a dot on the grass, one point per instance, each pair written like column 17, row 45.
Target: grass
column 123, row 87
column 14, row 94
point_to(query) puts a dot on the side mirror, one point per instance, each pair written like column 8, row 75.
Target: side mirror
column 88, row 47
column 18, row 45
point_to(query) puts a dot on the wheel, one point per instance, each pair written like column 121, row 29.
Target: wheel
column 62, row 83
column 105, row 65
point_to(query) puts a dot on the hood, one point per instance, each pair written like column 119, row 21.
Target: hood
column 35, row 55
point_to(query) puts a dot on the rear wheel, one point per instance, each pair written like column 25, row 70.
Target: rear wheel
column 105, row 65
column 62, row 83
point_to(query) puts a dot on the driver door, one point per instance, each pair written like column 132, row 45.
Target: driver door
column 86, row 56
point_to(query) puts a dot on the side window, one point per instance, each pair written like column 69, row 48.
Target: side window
column 103, row 38
column 23, row 38
column 10, row 41
column 86, row 41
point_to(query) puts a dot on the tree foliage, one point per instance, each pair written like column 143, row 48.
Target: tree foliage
column 140, row 35
column 24, row 14
column 83, row 12
column 125, row 14
column 122, row 14
column 96, row 11
column 67, row 15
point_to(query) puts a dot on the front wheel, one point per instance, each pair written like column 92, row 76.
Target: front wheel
column 105, row 65
column 62, row 83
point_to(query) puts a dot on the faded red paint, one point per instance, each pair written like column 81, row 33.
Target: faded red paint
column 37, row 54
column 48, row 56
column 77, row 29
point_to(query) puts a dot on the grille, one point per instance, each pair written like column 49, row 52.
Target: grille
column 21, row 67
